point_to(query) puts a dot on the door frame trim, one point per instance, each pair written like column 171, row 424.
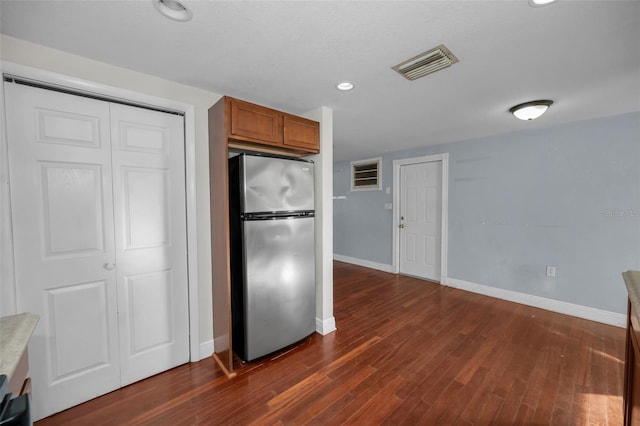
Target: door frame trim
column 7, row 273
column 444, row 234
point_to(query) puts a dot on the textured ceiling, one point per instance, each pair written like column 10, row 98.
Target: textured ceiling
column 585, row 55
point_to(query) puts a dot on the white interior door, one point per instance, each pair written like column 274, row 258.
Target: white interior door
column 420, row 219
column 151, row 244
column 62, row 212
column 110, row 288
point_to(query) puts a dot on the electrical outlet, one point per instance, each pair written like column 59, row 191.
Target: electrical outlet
column 551, row 271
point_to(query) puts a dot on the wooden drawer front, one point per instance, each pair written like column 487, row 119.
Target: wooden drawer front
column 301, row 133
column 17, row 379
column 255, row 122
column 635, row 327
column 631, row 396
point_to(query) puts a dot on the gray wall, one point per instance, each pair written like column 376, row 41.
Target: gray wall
column 567, row 196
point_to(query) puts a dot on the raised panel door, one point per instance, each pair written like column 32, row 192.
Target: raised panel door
column 98, row 210
column 301, row 133
column 151, row 246
column 255, row 123
column 62, row 212
column 420, row 210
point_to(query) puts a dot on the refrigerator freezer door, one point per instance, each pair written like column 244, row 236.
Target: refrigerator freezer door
column 279, row 284
column 276, row 184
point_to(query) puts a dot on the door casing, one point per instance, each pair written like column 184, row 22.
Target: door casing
column 7, row 277
column 444, row 158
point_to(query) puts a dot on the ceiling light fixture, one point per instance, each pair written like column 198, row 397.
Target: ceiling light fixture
column 345, row 86
column 538, row 3
column 173, row 9
column 530, row 110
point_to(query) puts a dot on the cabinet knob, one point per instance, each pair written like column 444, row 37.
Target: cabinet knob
column 109, row 266
column 401, row 226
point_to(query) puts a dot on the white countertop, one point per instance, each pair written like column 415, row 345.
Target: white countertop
column 15, row 332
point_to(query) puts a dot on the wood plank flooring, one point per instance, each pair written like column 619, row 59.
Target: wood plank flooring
column 406, row 351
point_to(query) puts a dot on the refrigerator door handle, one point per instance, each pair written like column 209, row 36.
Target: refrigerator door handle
column 276, row 215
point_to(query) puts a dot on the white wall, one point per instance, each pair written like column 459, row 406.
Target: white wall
column 36, row 56
column 24, row 53
column 325, row 321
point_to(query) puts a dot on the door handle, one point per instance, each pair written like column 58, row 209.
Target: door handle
column 109, row 266
column 401, row 226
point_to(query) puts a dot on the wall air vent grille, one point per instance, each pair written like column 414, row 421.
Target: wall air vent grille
column 426, row 63
column 365, row 174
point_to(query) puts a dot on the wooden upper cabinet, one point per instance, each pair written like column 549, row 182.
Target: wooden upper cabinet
column 257, row 128
column 301, row 133
column 242, row 126
column 255, row 122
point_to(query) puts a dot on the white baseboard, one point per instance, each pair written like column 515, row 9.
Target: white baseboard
column 206, row 349
column 366, row 263
column 585, row 312
column 327, row 326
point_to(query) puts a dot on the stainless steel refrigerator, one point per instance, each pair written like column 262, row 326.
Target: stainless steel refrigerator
column 271, row 215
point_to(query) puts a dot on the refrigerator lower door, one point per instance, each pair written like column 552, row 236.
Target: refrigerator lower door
column 279, row 284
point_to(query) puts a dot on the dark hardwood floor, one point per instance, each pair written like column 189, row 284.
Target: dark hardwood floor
column 406, row 352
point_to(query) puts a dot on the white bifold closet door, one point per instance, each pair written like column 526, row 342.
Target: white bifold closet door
column 99, row 230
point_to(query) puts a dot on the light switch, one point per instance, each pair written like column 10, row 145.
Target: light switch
column 388, row 206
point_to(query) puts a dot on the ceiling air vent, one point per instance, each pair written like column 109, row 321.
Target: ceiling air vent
column 426, row 63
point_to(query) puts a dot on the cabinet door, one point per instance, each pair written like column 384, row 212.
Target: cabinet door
column 301, row 133
column 634, row 398
column 255, row 123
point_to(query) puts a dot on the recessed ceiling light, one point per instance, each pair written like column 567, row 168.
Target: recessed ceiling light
column 538, row 3
column 173, row 9
column 344, row 86
column 530, row 110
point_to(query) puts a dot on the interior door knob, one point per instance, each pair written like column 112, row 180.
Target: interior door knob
column 109, row 266
column 402, row 226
